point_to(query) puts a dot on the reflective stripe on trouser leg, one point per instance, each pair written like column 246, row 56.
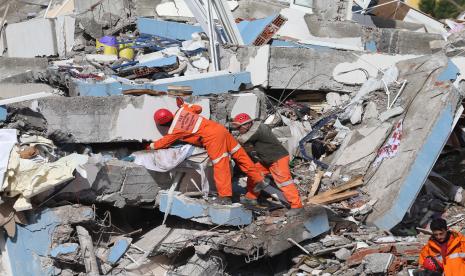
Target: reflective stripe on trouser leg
column 284, row 184
column 222, row 177
column 282, row 176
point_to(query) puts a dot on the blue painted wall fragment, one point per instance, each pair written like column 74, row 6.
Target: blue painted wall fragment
column 117, row 250
column 2, row 113
column 202, row 84
column 371, row 46
column 420, row 169
column 450, row 72
column 250, row 30
column 64, row 249
column 159, row 62
column 189, row 208
column 182, row 207
column 32, row 242
column 168, row 29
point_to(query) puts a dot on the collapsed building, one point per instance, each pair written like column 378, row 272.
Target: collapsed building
column 367, row 101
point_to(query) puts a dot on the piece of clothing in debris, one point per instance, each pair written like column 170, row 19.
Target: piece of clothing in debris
column 392, row 146
column 188, row 126
column 281, row 174
column 163, row 160
column 452, row 257
column 28, row 178
column 267, row 147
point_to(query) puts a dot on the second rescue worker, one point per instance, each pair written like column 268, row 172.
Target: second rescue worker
column 188, row 126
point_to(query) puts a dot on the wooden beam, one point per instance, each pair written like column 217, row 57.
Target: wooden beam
column 333, row 198
column 316, row 183
column 355, row 182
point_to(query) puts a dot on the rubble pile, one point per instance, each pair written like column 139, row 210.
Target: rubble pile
column 366, row 101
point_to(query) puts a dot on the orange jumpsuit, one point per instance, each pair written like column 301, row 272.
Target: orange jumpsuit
column 281, row 174
column 188, row 126
column 453, row 259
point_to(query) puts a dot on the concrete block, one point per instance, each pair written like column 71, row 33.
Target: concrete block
column 245, row 103
column 199, row 210
column 108, row 119
column 31, row 38
column 40, row 37
column 64, row 34
column 202, row 84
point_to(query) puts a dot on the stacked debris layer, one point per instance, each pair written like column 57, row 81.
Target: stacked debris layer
column 367, row 101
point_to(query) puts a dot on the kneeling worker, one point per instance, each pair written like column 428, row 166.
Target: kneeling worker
column 445, row 250
column 188, row 126
column 272, row 157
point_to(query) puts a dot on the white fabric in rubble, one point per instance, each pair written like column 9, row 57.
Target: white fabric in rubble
column 27, row 178
column 7, row 141
column 390, row 75
column 163, row 160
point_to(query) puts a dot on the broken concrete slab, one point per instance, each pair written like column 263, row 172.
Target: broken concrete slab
column 40, row 37
column 362, row 144
column 307, row 69
column 377, row 263
column 10, row 90
column 201, row 211
column 296, row 29
column 427, row 125
column 202, row 84
column 272, row 239
column 115, row 116
column 118, row 183
column 22, row 70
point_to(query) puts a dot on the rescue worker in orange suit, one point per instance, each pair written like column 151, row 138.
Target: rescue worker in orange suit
column 188, row 126
column 445, row 250
column 272, row 158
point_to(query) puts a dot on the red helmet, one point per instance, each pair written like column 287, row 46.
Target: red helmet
column 163, row 116
column 432, row 264
column 241, row 118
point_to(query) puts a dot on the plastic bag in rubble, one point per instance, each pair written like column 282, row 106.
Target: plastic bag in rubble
column 390, row 75
column 298, row 130
column 162, row 160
